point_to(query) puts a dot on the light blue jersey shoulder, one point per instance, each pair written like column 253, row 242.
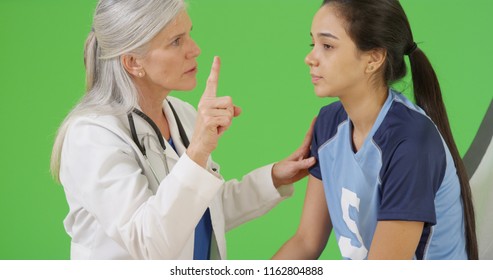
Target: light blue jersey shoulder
column 403, row 171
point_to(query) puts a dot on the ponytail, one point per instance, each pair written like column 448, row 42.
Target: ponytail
column 90, row 63
column 428, row 96
column 91, row 59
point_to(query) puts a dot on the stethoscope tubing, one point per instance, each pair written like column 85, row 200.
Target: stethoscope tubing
column 160, row 137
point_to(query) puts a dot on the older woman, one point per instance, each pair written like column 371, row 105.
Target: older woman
column 135, row 163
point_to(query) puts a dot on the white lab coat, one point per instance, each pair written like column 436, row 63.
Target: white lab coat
column 118, row 211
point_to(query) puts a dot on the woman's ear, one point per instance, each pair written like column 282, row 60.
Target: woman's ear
column 376, row 58
column 132, row 65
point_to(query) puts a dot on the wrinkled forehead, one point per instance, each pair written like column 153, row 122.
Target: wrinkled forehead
column 180, row 24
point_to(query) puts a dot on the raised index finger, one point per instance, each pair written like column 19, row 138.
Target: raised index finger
column 211, row 87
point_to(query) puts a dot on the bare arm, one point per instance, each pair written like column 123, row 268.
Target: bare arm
column 395, row 240
column 313, row 232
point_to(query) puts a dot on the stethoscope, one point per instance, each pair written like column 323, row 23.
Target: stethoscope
column 160, row 137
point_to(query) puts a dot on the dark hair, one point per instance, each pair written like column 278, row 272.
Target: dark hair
column 374, row 24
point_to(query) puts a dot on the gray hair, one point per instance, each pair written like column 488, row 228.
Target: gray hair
column 119, row 27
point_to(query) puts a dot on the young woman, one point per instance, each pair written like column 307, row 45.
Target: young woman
column 135, row 163
column 389, row 179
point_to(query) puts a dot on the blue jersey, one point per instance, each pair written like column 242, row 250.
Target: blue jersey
column 403, row 171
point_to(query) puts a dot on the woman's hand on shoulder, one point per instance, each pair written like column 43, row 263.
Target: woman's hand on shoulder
column 294, row 167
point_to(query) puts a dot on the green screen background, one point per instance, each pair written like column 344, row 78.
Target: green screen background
column 262, row 45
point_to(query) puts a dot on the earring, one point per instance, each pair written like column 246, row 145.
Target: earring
column 141, row 74
column 370, row 67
